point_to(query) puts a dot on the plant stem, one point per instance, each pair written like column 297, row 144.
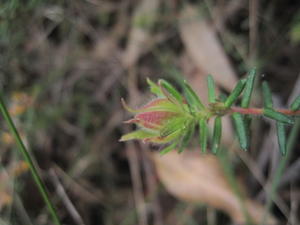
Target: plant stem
column 22, row 149
column 259, row 111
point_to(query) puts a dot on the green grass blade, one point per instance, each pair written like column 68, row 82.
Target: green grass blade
column 203, row 136
column 235, row 93
column 211, row 89
column 278, row 116
column 281, row 136
column 192, row 98
column 217, row 135
column 248, row 89
column 267, row 95
column 241, row 130
column 296, row 104
column 22, row 149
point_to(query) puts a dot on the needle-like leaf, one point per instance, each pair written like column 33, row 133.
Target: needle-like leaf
column 192, row 98
column 267, row 95
column 248, row 89
column 168, row 148
column 281, row 136
column 217, row 135
column 241, row 130
column 235, row 93
column 170, row 89
column 203, row 134
column 278, row 116
column 296, row 104
column 211, row 89
column 187, row 137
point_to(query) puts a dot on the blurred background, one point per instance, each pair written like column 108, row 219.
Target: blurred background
column 64, row 66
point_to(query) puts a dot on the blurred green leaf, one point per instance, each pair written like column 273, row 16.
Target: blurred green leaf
column 296, row 104
column 154, row 88
column 171, row 90
column 168, row 148
column 187, row 137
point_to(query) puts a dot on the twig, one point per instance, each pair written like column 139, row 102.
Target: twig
column 65, row 199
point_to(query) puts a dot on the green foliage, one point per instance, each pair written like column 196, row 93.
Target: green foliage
column 172, row 117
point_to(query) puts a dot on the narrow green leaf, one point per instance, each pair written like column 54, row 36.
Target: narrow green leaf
column 241, row 130
column 296, row 104
column 203, row 134
column 211, row 89
column 187, row 137
column 170, row 89
column 281, row 136
column 217, row 135
column 248, row 89
column 154, row 88
column 278, row 116
column 268, row 103
column 192, row 98
column 138, row 134
column 168, row 148
column 235, row 93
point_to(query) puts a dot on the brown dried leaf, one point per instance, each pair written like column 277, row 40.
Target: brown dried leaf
column 200, row 179
column 204, row 48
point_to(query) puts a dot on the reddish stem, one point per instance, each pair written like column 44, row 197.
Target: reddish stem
column 259, row 111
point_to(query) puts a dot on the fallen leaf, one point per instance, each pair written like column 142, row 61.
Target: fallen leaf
column 204, row 48
column 197, row 178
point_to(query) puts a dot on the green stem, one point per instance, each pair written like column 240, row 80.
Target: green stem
column 280, row 169
column 260, row 111
column 28, row 159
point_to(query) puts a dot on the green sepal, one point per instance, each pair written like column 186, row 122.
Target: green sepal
column 241, row 130
column 278, row 116
column 281, row 136
column 296, row 104
column 248, row 89
column 203, row 135
column 192, row 98
column 267, row 95
column 154, row 88
column 168, row 148
column 170, row 89
column 216, row 139
column 173, row 125
column 187, row 137
column 138, row 134
column 211, row 89
column 235, row 93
